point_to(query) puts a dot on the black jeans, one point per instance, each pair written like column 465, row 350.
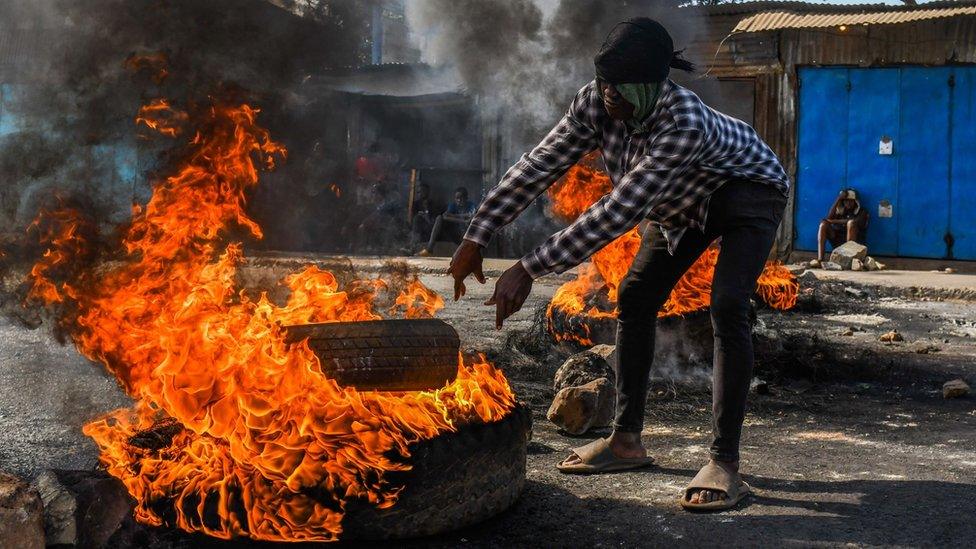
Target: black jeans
column 745, row 215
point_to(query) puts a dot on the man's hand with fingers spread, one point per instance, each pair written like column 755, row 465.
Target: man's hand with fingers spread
column 467, row 260
column 511, row 290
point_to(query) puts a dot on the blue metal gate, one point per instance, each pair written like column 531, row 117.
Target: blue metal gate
column 905, row 139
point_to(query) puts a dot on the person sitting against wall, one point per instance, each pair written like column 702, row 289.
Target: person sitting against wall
column 846, row 221
column 452, row 224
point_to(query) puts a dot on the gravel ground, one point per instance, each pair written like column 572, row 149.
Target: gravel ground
column 860, row 449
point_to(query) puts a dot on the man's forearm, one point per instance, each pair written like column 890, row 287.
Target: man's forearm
column 644, row 192
column 535, row 172
column 599, row 225
column 521, row 184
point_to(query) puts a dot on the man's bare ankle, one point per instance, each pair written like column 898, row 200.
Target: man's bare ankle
column 626, row 444
column 727, row 464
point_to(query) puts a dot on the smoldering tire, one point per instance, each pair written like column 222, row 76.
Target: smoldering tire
column 458, row 479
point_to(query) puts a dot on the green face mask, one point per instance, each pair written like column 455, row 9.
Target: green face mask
column 643, row 97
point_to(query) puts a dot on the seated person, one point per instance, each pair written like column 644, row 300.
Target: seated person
column 424, row 214
column 846, row 221
column 452, row 224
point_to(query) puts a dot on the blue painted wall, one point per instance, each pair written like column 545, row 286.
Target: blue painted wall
column 929, row 180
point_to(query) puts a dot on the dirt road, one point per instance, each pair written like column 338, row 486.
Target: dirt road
column 852, row 446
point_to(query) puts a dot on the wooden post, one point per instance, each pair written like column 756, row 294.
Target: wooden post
column 413, row 191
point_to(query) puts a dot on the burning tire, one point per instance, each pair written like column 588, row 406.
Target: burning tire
column 458, row 479
column 384, row 355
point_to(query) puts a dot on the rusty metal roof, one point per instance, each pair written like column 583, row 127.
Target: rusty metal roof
column 789, row 19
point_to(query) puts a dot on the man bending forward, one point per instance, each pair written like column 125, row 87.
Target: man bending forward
column 697, row 175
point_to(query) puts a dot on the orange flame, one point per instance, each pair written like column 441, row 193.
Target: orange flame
column 264, row 444
column 336, row 190
column 159, row 115
column 418, row 301
column 61, row 231
column 583, row 185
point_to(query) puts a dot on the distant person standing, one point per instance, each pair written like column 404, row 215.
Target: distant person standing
column 370, row 169
column 452, row 224
column 380, row 222
column 424, row 215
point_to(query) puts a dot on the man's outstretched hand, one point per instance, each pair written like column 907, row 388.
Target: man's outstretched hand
column 510, row 292
column 466, row 261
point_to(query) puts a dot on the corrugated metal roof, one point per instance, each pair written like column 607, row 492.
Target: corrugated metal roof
column 776, row 20
column 756, row 6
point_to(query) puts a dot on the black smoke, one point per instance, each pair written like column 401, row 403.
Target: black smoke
column 527, row 58
column 69, row 98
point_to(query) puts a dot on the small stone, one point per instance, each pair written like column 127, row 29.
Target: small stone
column 814, row 263
column 808, row 277
column 848, row 333
column 870, row 264
column 857, row 265
column 891, row 337
column 844, row 254
column 881, row 266
column 831, row 266
column 576, row 410
column 955, row 388
column 948, row 270
column 582, row 368
column 21, row 514
column 856, row 292
column 759, row 386
column 608, row 352
column 926, row 349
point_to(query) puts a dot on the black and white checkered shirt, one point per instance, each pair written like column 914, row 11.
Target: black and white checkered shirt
column 665, row 174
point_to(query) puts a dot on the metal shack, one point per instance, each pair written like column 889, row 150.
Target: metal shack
column 878, row 98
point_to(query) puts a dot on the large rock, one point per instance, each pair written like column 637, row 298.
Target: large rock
column 576, row 410
column 608, row 352
column 580, row 369
column 59, row 509
column 847, row 252
column 83, row 508
column 21, row 514
column 955, row 388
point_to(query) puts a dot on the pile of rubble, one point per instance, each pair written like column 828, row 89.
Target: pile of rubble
column 850, row 256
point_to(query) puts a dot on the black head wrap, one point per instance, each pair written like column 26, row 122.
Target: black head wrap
column 638, row 50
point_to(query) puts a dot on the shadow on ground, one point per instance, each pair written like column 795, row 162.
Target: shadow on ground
column 782, row 512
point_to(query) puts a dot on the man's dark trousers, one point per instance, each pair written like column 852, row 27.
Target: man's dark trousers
column 745, row 215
